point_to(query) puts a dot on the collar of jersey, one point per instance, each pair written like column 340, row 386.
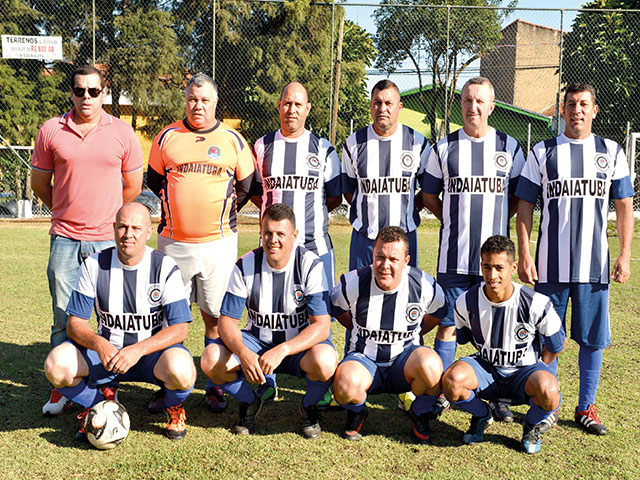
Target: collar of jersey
column 188, row 126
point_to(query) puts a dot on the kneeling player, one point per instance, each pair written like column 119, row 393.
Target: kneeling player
column 517, row 333
column 143, row 317
column 388, row 307
column 284, row 288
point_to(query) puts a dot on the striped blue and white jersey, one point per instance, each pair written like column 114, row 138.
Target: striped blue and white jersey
column 576, row 180
column 131, row 303
column 385, row 323
column 510, row 334
column 476, row 177
column 278, row 302
column 300, row 172
column 383, row 174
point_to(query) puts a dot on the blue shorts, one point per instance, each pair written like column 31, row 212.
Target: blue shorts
column 140, row 372
column 290, row 364
column 361, row 250
column 589, row 310
column 388, row 377
column 453, row 285
column 494, row 385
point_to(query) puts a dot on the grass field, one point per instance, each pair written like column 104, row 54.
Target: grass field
column 33, row 447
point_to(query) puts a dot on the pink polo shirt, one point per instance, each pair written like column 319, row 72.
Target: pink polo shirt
column 87, row 173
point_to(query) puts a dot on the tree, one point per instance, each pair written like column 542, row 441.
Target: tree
column 261, row 46
column 603, row 49
column 419, row 35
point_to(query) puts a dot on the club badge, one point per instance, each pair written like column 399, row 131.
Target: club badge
column 414, row 313
column 406, row 159
column 521, row 332
column 214, row 152
column 602, row 162
column 154, row 294
column 502, row 160
column 298, row 293
column 313, row 161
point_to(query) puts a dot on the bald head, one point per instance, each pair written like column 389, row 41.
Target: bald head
column 293, row 107
column 132, row 230
column 295, row 87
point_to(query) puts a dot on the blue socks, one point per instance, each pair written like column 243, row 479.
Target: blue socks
column 175, row 397
column 354, row 407
column 315, row 392
column 238, row 389
column 423, row 403
column 83, row 394
column 446, row 350
column 473, row 405
column 536, row 414
column 590, row 363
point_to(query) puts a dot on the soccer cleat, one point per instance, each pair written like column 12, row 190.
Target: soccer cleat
column 110, row 393
column 57, row 404
column 326, row 401
column 501, row 412
column 405, row 400
column 248, row 414
column 81, row 434
column 476, row 430
column 548, row 422
column 176, row 427
column 421, row 432
column 531, row 437
column 268, row 392
column 355, row 421
column 588, row 419
column 214, row 397
column 156, row 402
column 311, row 427
column 439, row 407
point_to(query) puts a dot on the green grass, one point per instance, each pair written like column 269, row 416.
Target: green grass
column 35, row 447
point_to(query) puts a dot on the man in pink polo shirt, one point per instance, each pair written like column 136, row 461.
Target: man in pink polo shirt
column 96, row 163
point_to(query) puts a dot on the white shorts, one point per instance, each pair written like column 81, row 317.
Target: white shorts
column 205, row 267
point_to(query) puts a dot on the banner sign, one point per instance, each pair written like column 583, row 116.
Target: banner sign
column 38, row 48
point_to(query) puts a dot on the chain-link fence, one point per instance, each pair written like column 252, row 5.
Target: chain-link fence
column 148, row 48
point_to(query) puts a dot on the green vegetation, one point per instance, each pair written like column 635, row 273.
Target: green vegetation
column 34, row 447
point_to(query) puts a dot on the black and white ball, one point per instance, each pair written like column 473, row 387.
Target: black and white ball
column 107, row 424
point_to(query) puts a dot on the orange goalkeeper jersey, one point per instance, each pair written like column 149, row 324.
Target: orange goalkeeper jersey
column 199, row 170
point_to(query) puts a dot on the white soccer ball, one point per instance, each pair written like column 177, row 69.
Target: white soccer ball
column 107, row 424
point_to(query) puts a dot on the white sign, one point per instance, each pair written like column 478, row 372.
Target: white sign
column 39, row 48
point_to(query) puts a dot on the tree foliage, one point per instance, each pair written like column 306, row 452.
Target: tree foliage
column 420, row 37
column 603, row 49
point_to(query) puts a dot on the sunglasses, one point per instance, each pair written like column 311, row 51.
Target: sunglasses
column 93, row 92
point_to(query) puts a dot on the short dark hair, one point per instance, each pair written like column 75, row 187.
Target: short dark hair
column 198, row 80
column 393, row 234
column 86, row 70
column 280, row 211
column 577, row 88
column 383, row 85
column 499, row 244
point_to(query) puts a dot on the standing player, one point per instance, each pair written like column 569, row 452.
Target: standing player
column 577, row 174
column 476, row 170
column 201, row 169
column 96, row 164
column 381, row 167
column 389, row 306
column 284, row 289
column 517, row 334
column 301, row 170
column 143, row 318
